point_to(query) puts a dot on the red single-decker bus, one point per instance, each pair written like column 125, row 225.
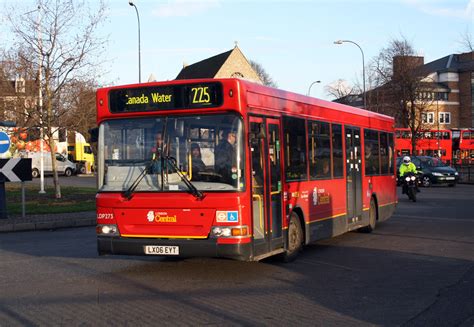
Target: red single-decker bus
column 230, row 168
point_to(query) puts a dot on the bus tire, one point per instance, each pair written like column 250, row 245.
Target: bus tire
column 295, row 238
column 68, row 172
column 35, row 173
column 372, row 218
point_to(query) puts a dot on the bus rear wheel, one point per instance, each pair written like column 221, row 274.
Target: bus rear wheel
column 372, row 218
column 295, row 238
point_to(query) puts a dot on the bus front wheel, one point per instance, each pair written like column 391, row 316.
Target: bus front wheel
column 295, row 238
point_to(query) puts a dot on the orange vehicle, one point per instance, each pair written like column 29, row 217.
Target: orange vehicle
column 230, row 168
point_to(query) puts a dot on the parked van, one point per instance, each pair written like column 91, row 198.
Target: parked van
column 63, row 165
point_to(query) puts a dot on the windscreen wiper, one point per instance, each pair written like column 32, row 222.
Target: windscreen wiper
column 192, row 189
column 129, row 192
column 157, row 155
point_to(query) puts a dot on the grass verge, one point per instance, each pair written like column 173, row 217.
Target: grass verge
column 74, row 199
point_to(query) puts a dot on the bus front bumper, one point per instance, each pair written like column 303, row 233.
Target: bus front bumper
column 187, row 248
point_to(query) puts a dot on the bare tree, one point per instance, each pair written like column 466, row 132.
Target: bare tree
column 341, row 91
column 80, row 99
column 59, row 41
column 401, row 88
column 467, row 41
column 264, row 76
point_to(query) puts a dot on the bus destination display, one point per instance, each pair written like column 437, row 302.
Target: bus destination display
column 156, row 98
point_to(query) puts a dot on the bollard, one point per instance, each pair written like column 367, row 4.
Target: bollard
column 23, row 210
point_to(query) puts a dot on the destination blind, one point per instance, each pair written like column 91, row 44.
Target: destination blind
column 156, row 98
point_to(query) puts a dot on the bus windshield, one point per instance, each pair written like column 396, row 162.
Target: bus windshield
column 207, row 149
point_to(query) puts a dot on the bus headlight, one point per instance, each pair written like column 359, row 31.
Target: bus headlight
column 107, row 230
column 229, row 231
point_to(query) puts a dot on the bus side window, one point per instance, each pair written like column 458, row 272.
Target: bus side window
column 338, row 160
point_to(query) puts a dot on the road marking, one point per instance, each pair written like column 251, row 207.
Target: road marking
column 433, row 218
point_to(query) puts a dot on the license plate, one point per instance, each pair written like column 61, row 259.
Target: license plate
column 449, row 178
column 161, row 249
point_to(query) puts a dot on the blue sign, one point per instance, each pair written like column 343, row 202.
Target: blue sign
column 232, row 216
column 4, row 142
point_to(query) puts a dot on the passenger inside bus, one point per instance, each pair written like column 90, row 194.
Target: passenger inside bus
column 198, row 165
column 224, row 155
column 155, row 152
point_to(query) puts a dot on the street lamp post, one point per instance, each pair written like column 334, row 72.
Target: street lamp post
column 309, row 90
column 436, row 95
column 363, row 65
column 139, row 54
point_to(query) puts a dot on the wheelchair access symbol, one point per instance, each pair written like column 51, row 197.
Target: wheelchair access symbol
column 227, row 216
column 232, row 216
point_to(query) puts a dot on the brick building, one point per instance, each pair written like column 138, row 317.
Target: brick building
column 17, row 98
column 452, row 88
column 446, row 85
column 225, row 65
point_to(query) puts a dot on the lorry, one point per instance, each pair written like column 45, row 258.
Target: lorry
column 81, row 154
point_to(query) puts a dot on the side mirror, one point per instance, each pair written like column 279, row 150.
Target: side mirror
column 93, row 135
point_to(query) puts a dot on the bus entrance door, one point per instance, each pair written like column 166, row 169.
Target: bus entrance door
column 353, row 175
column 266, row 185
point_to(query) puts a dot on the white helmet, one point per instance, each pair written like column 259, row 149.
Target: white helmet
column 406, row 160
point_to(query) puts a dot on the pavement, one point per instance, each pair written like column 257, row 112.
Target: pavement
column 15, row 223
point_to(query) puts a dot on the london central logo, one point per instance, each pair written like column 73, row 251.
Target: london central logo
column 160, row 217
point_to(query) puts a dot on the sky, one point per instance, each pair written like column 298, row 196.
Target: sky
column 292, row 40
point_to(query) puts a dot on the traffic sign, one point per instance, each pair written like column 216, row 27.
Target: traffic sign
column 4, row 142
column 15, row 170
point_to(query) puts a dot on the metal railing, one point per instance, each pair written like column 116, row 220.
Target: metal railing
column 466, row 173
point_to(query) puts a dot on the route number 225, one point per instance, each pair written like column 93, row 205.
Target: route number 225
column 201, row 94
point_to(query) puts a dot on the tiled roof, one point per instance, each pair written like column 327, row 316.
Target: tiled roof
column 451, row 63
column 207, row 68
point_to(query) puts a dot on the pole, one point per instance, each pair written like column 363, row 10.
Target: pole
column 40, row 102
column 3, row 199
column 139, row 52
column 363, row 66
column 437, row 114
column 23, row 210
column 309, row 90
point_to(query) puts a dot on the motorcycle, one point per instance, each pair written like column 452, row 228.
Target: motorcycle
column 410, row 181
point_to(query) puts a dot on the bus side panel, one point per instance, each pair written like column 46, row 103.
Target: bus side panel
column 383, row 188
column 323, row 205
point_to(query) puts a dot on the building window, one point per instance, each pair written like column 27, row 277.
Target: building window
column 427, row 118
column 445, row 118
column 20, row 85
column 237, row 75
column 442, row 96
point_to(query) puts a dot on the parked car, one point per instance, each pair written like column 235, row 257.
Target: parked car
column 63, row 165
column 432, row 170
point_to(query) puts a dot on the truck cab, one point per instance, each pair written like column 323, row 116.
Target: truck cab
column 81, row 154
